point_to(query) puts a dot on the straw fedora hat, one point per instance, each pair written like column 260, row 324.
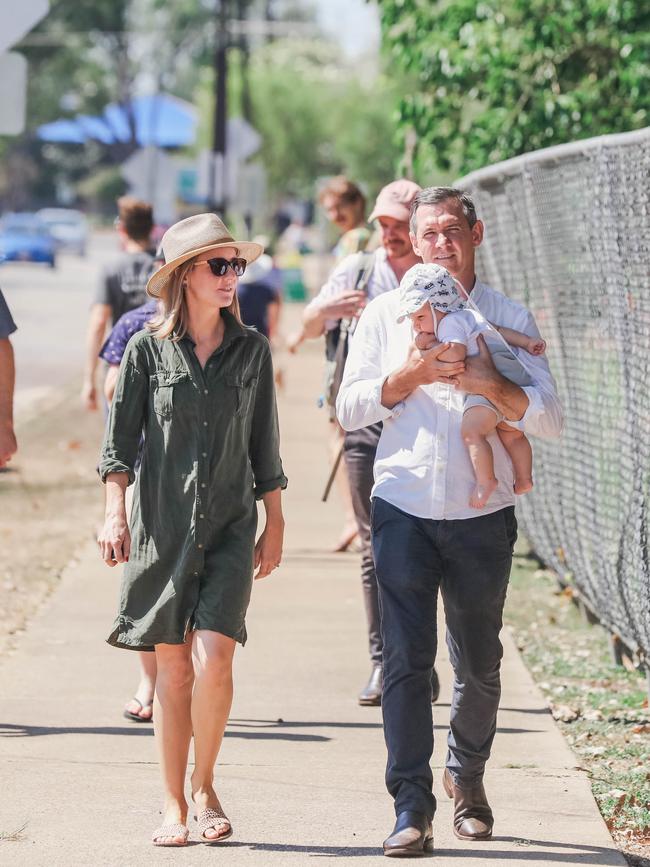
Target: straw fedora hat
column 189, row 238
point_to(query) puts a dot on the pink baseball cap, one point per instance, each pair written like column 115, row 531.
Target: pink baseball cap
column 395, row 200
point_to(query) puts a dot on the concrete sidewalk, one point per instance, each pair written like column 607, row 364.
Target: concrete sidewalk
column 301, row 770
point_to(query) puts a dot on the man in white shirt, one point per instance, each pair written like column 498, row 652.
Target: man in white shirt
column 426, row 537
column 339, row 299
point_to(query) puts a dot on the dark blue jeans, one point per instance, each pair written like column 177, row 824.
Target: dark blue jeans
column 469, row 561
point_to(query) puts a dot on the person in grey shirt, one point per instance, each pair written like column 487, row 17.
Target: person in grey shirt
column 121, row 286
column 8, row 445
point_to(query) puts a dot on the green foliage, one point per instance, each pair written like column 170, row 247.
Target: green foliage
column 497, row 78
column 316, row 117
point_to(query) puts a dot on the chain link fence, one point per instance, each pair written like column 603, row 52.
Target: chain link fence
column 568, row 235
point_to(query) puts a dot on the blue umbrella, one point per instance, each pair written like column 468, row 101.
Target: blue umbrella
column 160, row 120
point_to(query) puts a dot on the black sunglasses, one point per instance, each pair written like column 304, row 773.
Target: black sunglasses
column 219, row 266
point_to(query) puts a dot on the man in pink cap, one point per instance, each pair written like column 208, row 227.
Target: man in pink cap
column 356, row 280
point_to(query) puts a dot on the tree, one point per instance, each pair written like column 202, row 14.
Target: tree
column 314, row 114
column 497, row 78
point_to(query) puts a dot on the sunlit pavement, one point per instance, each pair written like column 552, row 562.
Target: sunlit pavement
column 50, row 308
column 301, row 770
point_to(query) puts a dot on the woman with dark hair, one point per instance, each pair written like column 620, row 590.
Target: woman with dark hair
column 199, row 384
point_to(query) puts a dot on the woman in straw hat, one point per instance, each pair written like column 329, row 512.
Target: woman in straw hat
column 199, row 385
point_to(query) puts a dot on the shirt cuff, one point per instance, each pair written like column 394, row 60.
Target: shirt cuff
column 114, row 466
column 534, row 409
column 262, row 488
column 396, row 411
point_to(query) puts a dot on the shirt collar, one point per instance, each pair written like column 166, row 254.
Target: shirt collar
column 477, row 290
column 233, row 329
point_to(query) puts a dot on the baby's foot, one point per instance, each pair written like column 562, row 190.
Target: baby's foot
column 522, row 486
column 482, row 493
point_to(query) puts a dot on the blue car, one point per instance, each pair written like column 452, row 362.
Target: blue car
column 26, row 238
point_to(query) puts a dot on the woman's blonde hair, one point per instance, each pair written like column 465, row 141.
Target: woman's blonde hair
column 172, row 318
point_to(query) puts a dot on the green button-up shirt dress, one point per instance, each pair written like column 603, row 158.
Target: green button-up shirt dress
column 211, row 447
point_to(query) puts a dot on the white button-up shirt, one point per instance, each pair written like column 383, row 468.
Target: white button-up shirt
column 422, row 463
column 344, row 276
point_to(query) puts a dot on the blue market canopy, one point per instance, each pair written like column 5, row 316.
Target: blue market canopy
column 160, row 120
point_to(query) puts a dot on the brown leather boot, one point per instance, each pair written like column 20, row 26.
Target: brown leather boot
column 412, row 836
column 473, row 819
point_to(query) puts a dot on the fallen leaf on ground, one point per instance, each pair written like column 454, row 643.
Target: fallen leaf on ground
column 564, row 713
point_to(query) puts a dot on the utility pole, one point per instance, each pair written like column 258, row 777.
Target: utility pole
column 217, row 191
column 244, row 62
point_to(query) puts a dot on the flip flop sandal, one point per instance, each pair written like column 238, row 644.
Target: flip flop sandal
column 134, row 717
column 214, row 819
column 176, row 829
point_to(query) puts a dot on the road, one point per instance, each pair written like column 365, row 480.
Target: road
column 50, row 308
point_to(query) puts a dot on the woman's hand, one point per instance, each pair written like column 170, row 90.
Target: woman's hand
column 268, row 550
column 114, row 540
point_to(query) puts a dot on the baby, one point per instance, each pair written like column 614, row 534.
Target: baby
column 430, row 297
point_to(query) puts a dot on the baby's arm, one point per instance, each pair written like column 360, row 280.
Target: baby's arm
column 456, row 352
column 533, row 345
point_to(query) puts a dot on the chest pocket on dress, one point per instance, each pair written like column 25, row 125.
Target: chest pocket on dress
column 164, row 384
column 243, row 390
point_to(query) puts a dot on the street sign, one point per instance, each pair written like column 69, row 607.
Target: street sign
column 13, row 90
column 17, row 19
column 242, row 140
column 152, row 176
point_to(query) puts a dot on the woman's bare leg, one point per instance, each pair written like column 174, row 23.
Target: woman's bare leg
column 142, row 706
column 212, row 655
column 173, row 725
column 478, row 422
column 516, row 443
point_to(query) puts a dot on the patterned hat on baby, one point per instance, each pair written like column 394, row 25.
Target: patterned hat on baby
column 431, row 283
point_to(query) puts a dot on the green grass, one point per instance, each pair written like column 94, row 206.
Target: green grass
column 610, row 728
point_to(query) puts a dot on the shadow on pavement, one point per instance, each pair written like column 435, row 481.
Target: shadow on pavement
column 292, row 724
column 10, row 730
column 268, row 723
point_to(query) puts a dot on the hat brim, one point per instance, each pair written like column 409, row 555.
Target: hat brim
column 399, row 212
column 248, row 250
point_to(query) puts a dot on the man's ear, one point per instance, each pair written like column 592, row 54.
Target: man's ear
column 414, row 244
column 477, row 233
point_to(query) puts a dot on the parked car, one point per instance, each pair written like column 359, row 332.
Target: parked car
column 25, row 238
column 68, row 227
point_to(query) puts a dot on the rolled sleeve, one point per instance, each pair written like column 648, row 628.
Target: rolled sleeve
column 264, row 443
column 125, row 421
column 359, row 400
column 341, row 278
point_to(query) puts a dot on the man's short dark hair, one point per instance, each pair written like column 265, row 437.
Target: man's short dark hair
column 136, row 217
column 435, row 195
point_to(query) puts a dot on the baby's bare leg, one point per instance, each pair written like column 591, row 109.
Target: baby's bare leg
column 478, row 422
column 515, row 442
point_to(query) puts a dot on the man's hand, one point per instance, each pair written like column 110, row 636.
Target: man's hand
column 425, row 357
column 8, row 445
column 422, row 367
column 346, row 305
column 480, row 374
column 482, row 377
